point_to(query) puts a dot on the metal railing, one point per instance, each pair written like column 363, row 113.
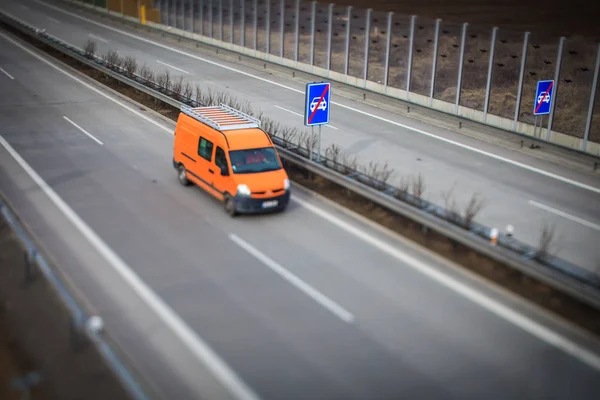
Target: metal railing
column 555, row 272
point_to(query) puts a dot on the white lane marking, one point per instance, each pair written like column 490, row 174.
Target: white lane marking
column 300, row 115
column 24, row 6
column 294, row 280
column 162, row 127
column 53, row 20
column 431, row 135
column 534, row 328
column 83, row 130
column 171, row 66
column 199, row 348
column 565, row 215
column 7, row 74
column 97, row 38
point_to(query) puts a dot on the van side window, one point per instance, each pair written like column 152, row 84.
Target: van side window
column 220, row 158
column 205, row 148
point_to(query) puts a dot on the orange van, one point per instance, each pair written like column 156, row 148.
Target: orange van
column 226, row 153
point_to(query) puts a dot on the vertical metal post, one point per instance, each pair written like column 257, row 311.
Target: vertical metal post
column 183, row 13
column 561, row 45
column 348, row 21
column 329, row 34
column 193, row 16
column 210, row 17
column 221, row 20
column 255, row 5
column 231, row 31
column 436, row 42
column 297, row 30
column 367, row 43
column 588, row 121
column 388, row 46
column 201, row 7
column 282, row 27
column 488, row 86
column 521, row 78
column 243, row 22
column 268, row 27
column 461, row 61
column 312, row 135
column 410, row 53
column 312, row 31
column 319, row 145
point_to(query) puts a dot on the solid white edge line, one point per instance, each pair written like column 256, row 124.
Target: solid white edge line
column 171, row 66
column 53, row 20
column 311, row 292
column 83, row 130
column 565, row 215
column 527, row 324
column 7, row 74
column 302, row 116
column 97, row 38
column 499, row 309
column 416, row 130
column 199, row 348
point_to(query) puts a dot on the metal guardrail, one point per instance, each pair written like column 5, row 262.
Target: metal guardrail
column 82, row 324
column 557, row 273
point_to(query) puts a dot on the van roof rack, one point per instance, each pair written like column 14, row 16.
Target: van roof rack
column 222, row 117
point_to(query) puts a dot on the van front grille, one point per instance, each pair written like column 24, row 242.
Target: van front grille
column 273, row 191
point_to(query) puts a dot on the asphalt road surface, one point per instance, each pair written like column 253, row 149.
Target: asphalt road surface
column 525, row 197
column 312, row 303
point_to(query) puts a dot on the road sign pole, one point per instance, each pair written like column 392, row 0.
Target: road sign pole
column 268, row 27
column 410, row 53
column 388, row 45
column 243, row 22
column 489, row 77
column 319, row 145
column 436, row 41
column 282, row 27
column 521, row 78
column 312, row 32
column 461, row 62
column 297, row 30
column 311, row 141
column 367, row 40
column 348, row 22
column 561, row 44
column 588, row 121
column 329, row 35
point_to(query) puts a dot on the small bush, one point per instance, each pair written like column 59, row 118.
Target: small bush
column 90, row 48
column 545, row 243
column 112, row 59
column 164, row 80
column 379, row 173
column 178, row 87
column 130, row 65
column 473, row 208
column 418, row 186
column 403, row 187
column 147, row 74
column 188, row 91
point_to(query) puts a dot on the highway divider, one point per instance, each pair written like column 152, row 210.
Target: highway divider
column 530, row 272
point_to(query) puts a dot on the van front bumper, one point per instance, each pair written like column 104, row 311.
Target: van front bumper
column 245, row 204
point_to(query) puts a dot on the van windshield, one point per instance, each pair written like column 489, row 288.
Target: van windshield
column 254, row 160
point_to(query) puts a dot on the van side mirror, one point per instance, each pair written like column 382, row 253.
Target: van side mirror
column 224, row 171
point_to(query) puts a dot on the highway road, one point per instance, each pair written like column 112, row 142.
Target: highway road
column 517, row 187
column 312, row 303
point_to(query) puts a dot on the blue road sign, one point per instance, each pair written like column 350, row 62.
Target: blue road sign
column 316, row 105
column 543, row 97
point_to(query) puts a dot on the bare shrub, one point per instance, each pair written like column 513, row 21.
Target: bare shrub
column 178, row 86
column 164, row 80
column 473, row 208
column 112, row 58
column 130, row 65
column 199, row 97
column 334, row 153
column 545, row 243
column 147, row 74
column 188, row 90
column 418, row 186
column 450, row 207
column 90, row 48
column 349, row 164
column 403, row 187
column 379, row 173
column 288, row 134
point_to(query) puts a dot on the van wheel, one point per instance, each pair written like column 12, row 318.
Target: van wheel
column 182, row 175
column 230, row 206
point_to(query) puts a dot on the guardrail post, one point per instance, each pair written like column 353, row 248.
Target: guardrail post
column 461, row 61
column 221, row 20
column 268, row 27
column 588, row 121
column 297, row 30
column 367, row 40
column 282, row 27
column 210, row 18
column 231, row 30
column 410, row 53
column 561, row 45
column 388, row 46
column 312, row 31
column 348, row 22
column 521, row 78
column 436, row 46
column 255, row 5
column 488, row 85
column 329, row 34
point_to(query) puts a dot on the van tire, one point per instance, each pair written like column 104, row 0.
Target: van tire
column 182, row 175
column 229, row 206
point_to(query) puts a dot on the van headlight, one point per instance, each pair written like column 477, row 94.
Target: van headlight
column 286, row 184
column 243, row 190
